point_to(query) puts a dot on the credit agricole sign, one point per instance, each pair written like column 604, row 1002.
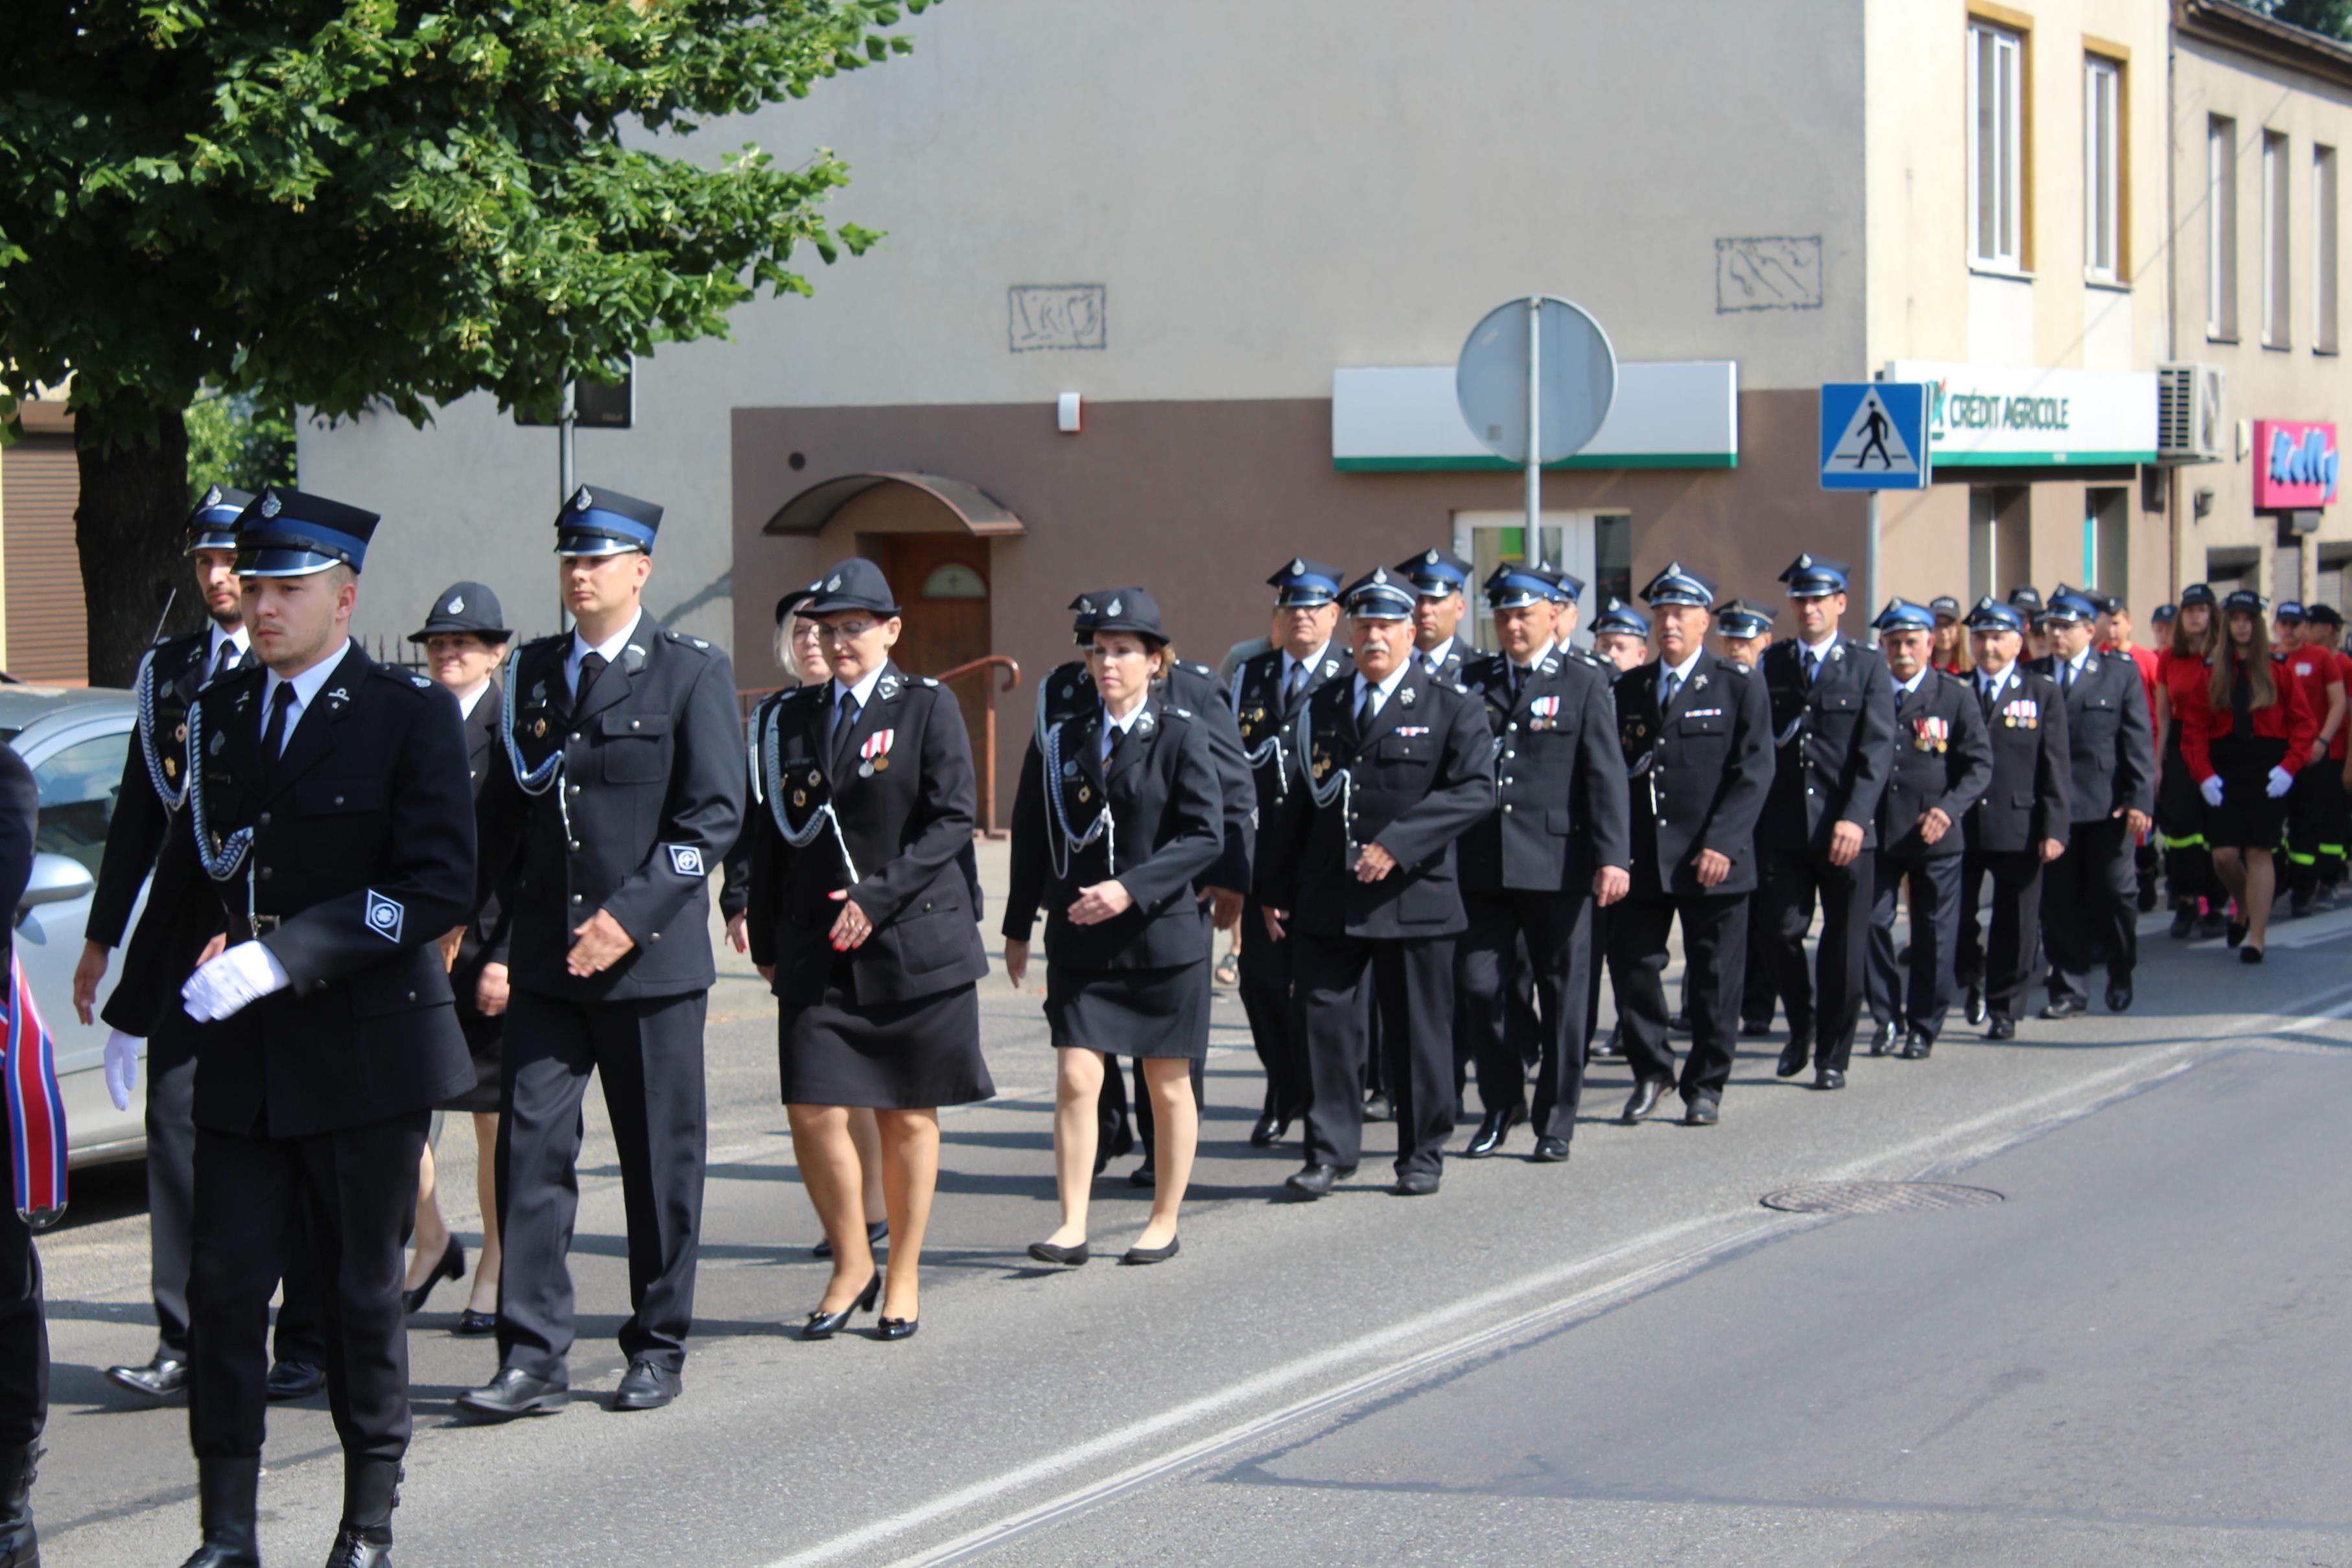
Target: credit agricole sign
column 2026, row 416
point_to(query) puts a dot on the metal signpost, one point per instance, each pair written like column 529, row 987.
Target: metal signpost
column 1874, row 438
column 1535, row 380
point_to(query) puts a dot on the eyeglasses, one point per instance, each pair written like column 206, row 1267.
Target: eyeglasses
column 846, row 631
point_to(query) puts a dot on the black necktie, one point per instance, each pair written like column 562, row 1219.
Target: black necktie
column 2068, row 683
column 1667, row 687
column 1812, row 666
column 223, row 663
column 1985, row 690
column 1364, row 708
column 273, row 734
column 592, row 664
column 2242, row 702
column 845, row 720
column 1293, row 686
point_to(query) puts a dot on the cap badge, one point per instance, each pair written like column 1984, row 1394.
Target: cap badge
column 212, row 496
column 1431, row 558
column 833, row 585
column 1298, row 566
column 456, row 602
column 582, row 501
column 271, row 507
column 1115, row 607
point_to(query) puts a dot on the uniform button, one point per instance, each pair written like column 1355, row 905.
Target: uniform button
column 575, row 898
column 412, row 996
column 637, row 724
column 339, row 800
column 1506, row 805
column 575, row 846
column 575, row 788
column 1511, row 726
column 265, row 873
column 575, row 734
column 1510, row 754
column 265, row 818
column 657, row 937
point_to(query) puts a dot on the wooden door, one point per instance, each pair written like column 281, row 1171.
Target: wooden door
column 941, row 583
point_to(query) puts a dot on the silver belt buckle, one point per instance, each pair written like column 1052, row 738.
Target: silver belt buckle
column 263, row 924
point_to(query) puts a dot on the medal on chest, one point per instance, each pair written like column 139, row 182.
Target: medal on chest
column 1930, row 734
column 874, row 753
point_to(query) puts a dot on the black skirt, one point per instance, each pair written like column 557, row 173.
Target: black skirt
column 2247, row 817
column 1150, row 1014
column 484, row 1039
column 895, row 1056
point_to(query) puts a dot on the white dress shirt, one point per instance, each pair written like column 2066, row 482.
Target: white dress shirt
column 1309, row 664
column 1679, row 674
column 1997, row 683
column 1380, row 693
column 307, row 686
column 610, row 648
column 1432, row 658
column 466, row 701
column 1112, row 728
column 239, row 640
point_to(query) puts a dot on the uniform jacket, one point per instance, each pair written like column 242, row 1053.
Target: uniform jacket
column 489, row 932
column 1265, row 719
column 1942, row 761
column 2289, row 719
column 2108, row 733
column 20, row 810
column 1700, row 774
column 1166, row 830
column 2032, row 768
column 135, row 832
column 652, row 782
column 1560, row 794
column 1422, row 774
column 1839, row 744
column 1459, row 656
column 364, row 855
column 904, row 811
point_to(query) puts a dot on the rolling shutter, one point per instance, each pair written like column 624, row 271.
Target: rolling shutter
column 49, row 636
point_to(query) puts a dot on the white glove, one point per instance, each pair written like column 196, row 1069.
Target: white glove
column 237, row 978
column 2212, row 790
column 2281, row 782
column 122, row 1067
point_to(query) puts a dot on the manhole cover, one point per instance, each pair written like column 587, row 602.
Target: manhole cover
column 1877, row 1196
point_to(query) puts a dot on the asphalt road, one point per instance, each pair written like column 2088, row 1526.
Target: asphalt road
column 2137, row 1356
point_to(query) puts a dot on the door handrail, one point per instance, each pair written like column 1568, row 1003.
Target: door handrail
column 1009, row 669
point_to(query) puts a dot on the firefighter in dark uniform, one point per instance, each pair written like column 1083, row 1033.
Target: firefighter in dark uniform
column 1356, row 868
column 1440, row 579
column 328, row 823
column 154, row 787
column 1743, row 631
column 1533, row 869
column 1833, row 727
column 1695, row 732
column 2019, row 825
column 1620, row 641
column 2088, row 901
column 1269, row 690
column 620, row 786
column 1943, row 765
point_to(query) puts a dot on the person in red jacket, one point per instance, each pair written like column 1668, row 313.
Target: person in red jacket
column 2245, row 736
column 2312, row 802
column 2180, row 812
column 2323, row 627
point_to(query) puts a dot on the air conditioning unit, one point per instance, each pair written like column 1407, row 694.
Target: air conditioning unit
column 2190, row 426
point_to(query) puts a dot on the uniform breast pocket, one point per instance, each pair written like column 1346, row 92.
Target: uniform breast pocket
column 1405, row 748
column 636, row 748
column 1838, row 702
column 339, row 797
column 1704, row 723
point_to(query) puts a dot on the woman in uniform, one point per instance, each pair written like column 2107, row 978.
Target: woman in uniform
column 2181, row 676
column 862, row 912
column 1120, row 811
column 2245, row 739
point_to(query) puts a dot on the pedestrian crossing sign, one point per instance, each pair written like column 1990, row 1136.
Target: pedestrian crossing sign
column 1874, row 435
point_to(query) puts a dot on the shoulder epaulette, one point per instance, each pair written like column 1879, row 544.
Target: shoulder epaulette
column 1183, row 712
column 1743, row 669
column 808, row 693
column 1195, row 667
column 699, row 644
column 925, row 680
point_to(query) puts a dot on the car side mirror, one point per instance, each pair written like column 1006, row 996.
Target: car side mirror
column 56, row 879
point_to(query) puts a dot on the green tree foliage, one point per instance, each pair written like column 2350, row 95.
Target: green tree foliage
column 347, row 205
column 237, row 441
column 2333, row 17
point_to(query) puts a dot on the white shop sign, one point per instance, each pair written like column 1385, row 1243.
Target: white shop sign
column 2025, row 416
column 1674, row 415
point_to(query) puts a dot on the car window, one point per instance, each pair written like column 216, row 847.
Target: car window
column 78, row 784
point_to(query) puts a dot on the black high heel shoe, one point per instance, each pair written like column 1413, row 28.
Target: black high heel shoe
column 822, row 1325
column 451, row 1267
column 896, row 1328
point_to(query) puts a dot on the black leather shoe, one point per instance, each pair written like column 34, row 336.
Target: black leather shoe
column 1976, row 1006
column 648, row 1387
column 512, row 1393
column 1916, row 1046
column 1755, row 1028
column 878, row 1231
column 1143, row 1255
column 1377, row 1109
column 822, row 1325
column 896, row 1328
column 1269, row 1130
column 1794, row 1055
column 1068, row 1257
column 2002, row 1029
column 2119, row 997
column 1828, row 1078
column 1143, row 1175
column 472, row 1324
column 1881, row 1039
column 1493, row 1128
column 2250, row 955
column 1676, row 1023
column 228, row 1505
column 2064, row 1008
column 2184, row 923
column 1414, row 1183
column 1646, row 1093
column 1703, row 1110
column 451, row 1267
column 1609, row 1049
column 161, row 1379
column 294, row 1380
column 2236, row 932
column 371, row 1491
column 20, row 1543
column 1314, row 1181
column 1551, row 1152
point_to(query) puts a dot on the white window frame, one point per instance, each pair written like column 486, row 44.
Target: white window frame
column 2221, row 228
column 2103, row 170
column 2277, row 238
column 2004, row 249
column 2323, row 249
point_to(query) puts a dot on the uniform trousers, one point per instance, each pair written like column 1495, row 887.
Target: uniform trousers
column 2311, row 806
column 1266, row 988
column 2004, row 965
column 172, row 1204
column 24, row 1324
column 357, row 1186
column 1715, row 947
column 1791, row 883
column 2086, row 906
column 648, row 1053
column 1757, row 998
column 1935, row 883
column 1411, row 994
column 1516, row 936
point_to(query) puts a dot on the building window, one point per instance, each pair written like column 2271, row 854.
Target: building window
column 2102, row 170
column 2221, row 228
column 2276, row 328
column 2335, row 577
column 2323, row 250
column 2235, row 568
column 1612, row 559
column 2107, row 539
column 1995, row 147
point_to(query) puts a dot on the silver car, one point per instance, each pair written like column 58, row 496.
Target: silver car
column 74, row 740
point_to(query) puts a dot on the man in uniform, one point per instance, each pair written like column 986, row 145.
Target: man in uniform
column 2026, row 599
column 2017, row 825
column 154, row 784
column 1533, row 869
column 2087, row 904
column 1439, row 580
column 1743, row 631
column 2115, row 639
column 2311, row 802
column 1356, row 868
column 1268, row 691
column 329, row 824
column 1943, row 765
column 1833, row 725
column 1695, row 732
column 1620, row 635
column 621, row 787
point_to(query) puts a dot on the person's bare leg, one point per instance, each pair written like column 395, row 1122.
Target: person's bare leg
column 2261, row 880
column 1176, row 1134
column 828, row 1163
column 1077, row 1083
column 910, row 1173
column 432, row 1232
column 867, row 1135
column 485, row 1297
column 2230, row 865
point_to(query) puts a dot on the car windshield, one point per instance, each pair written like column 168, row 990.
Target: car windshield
column 78, row 784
